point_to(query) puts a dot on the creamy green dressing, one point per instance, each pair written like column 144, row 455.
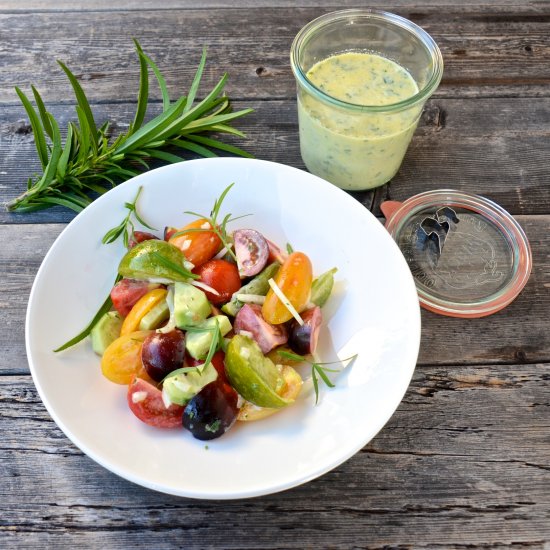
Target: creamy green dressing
column 356, row 149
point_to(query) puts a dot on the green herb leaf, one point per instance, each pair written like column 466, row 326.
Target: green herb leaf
column 126, row 227
column 318, row 369
column 196, row 82
column 64, row 158
column 42, row 111
column 290, row 355
column 219, row 229
column 216, row 144
column 82, row 102
column 173, row 266
column 36, row 126
column 92, row 160
column 143, row 94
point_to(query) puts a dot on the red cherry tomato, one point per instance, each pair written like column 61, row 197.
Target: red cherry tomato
column 140, row 236
column 145, row 401
column 127, row 292
column 222, row 276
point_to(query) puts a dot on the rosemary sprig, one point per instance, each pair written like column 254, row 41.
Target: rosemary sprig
column 318, row 370
column 126, row 226
column 91, row 160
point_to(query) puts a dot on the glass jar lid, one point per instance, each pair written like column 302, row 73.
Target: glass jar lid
column 469, row 257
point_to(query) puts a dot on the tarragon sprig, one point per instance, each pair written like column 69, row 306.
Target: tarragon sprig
column 218, row 228
column 126, row 226
column 92, row 160
column 318, row 370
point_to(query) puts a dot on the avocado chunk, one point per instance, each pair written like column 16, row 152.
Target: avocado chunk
column 155, row 317
column 191, row 306
column 181, row 387
column 106, row 331
column 198, row 341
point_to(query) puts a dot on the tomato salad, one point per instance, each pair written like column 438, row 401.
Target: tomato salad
column 206, row 328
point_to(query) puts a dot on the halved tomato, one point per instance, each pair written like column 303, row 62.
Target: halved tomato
column 143, row 306
column 121, row 361
column 145, row 401
column 294, row 279
column 127, row 292
column 222, row 276
column 198, row 246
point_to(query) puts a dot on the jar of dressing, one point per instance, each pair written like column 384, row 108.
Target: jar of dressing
column 363, row 77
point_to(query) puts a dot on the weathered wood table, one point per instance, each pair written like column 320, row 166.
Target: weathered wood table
column 465, row 460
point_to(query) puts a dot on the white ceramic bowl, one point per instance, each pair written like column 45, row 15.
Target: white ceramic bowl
column 373, row 312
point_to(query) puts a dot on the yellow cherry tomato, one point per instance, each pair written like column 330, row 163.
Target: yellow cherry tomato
column 143, row 306
column 294, row 279
column 121, row 362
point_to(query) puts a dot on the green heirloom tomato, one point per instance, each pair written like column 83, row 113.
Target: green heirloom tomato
column 252, row 374
column 155, row 260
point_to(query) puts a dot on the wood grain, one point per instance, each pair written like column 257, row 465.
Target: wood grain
column 33, row 6
column 447, row 471
column 486, row 53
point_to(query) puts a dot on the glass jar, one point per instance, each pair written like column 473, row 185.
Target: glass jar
column 353, row 145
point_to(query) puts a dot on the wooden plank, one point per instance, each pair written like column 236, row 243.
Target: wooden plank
column 136, row 5
column 448, row 471
column 518, row 334
column 495, row 147
column 98, row 47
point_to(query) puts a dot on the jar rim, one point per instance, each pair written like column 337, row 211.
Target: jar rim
column 320, row 22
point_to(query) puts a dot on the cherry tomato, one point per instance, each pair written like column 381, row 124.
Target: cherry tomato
column 252, row 251
column 198, row 246
column 275, row 253
column 139, row 237
column 121, row 362
column 127, row 292
column 143, row 306
column 222, row 276
column 163, row 352
column 169, row 231
column 211, row 412
column 145, row 401
column 294, row 280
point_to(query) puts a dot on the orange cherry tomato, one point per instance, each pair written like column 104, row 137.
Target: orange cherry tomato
column 294, row 280
column 198, row 246
column 143, row 306
column 121, row 362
